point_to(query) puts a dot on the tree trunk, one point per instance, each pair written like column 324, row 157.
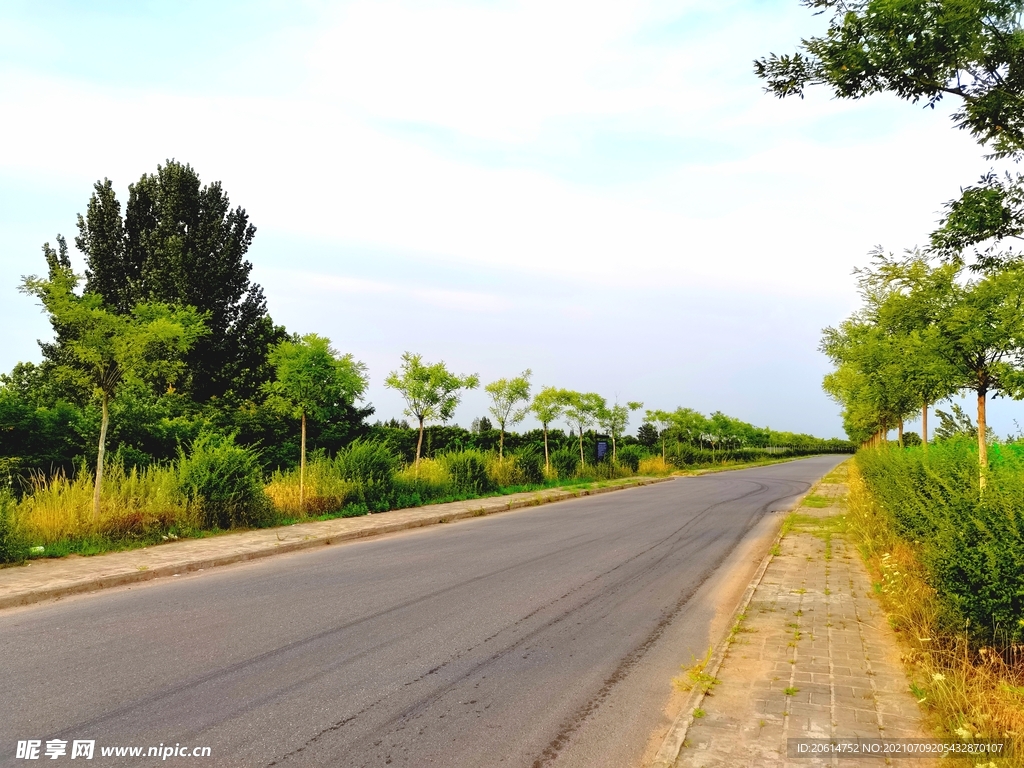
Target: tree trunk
column 924, row 426
column 663, row 446
column 501, row 444
column 982, row 442
column 615, row 456
column 99, row 461
column 302, row 467
column 547, row 459
column 583, row 461
column 899, row 435
column 419, row 446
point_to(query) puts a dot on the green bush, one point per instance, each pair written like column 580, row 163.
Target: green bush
column 565, row 462
column 372, row 467
column 630, row 456
column 971, row 543
column 530, row 462
column 12, row 547
column 467, row 472
column 225, row 481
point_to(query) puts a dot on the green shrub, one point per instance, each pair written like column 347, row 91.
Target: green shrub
column 971, row 543
column 371, row 466
column 530, row 461
column 565, row 462
column 467, row 472
column 225, row 481
column 12, row 547
column 630, row 456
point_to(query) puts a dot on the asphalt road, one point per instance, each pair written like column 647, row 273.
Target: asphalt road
column 542, row 636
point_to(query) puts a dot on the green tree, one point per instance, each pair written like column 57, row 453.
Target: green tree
column 664, row 420
column 311, row 378
column 582, row 410
column 614, row 421
column 918, row 50
column 547, row 406
column 431, row 392
column 899, row 301
column 647, row 435
column 506, row 396
column 980, row 327
column 181, row 243
column 101, row 349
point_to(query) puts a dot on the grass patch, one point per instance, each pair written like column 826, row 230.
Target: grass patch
column 815, row 501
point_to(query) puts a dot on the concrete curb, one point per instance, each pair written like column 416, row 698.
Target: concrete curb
column 672, row 745
column 487, row 507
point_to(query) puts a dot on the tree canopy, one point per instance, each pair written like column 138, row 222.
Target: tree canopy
column 918, row 50
column 508, row 403
column 180, row 242
column 431, row 392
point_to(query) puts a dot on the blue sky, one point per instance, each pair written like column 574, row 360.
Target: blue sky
column 598, row 191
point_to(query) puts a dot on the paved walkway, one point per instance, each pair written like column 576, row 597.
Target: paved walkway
column 45, row 579
column 813, row 657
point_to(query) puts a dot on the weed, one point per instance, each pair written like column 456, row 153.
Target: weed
column 791, row 691
column 696, row 676
column 816, row 502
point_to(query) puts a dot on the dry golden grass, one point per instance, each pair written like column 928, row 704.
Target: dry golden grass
column 970, row 694
column 505, row 472
column 325, row 490
column 654, row 465
column 60, row 508
column 429, row 472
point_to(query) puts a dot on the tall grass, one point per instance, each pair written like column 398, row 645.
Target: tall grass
column 132, row 503
column 970, row 543
column 971, row 690
column 326, row 490
column 654, row 465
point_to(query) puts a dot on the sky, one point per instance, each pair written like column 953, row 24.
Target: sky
column 600, row 192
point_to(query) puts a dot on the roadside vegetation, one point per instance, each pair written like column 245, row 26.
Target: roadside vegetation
column 946, row 566
column 939, row 517
column 168, row 403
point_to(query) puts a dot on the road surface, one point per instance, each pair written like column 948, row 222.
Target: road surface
column 545, row 636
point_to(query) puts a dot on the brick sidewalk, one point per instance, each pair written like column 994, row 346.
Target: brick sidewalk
column 45, row 579
column 813, row 657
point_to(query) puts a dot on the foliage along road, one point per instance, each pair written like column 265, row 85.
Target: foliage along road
column 546, row 636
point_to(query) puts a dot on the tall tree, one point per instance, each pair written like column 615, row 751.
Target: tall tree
column 431, row 392
column 507, row 395
column 614, row 421
column 581, row 411
column 101, row 349
column 180, row 242
column 547, row 406
column 980, row 325
column 898, row 301
column 310, row 379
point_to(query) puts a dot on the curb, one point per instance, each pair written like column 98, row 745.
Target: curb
column 133, row 577
column 672, row 745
